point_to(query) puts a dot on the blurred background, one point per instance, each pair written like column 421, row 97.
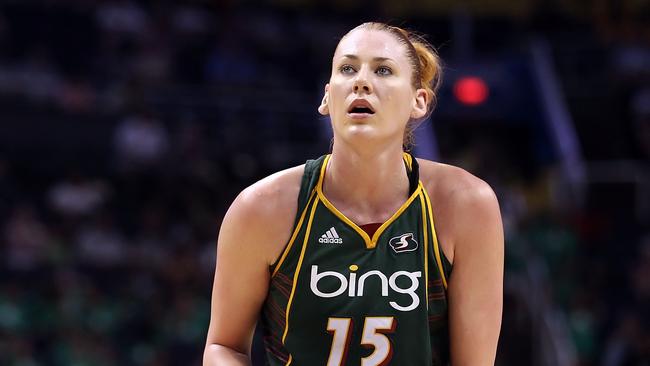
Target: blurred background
column 128, row 127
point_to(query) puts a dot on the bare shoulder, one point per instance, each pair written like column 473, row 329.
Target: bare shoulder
column 462, row 203
column 448, row 182
column 277, row 192
column 266, row 210
column 253, row 232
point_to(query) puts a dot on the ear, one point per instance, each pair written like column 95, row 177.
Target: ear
column 420, row 104
column 324, row 107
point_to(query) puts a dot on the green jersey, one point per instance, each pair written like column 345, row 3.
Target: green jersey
column 340, row 297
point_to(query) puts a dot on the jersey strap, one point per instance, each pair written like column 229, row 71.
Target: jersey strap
column 307, row 184
column 309, row 180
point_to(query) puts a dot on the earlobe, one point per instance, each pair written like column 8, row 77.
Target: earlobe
column 324, row 104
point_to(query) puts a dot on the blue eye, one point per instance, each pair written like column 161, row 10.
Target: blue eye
column 346, row 69
column 384, row 70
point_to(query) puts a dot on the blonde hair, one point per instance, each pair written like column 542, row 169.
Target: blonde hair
column 426, row 66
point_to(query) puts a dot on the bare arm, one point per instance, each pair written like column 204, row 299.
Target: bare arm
column 252, row 234
column 239, row 288
column 470, row 232
column 216, row 354
column 476, row 283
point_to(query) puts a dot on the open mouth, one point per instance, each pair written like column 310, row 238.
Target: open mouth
column 361, row 110
column 360, row 107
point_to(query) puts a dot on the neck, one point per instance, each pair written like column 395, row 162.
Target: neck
column 366, row 186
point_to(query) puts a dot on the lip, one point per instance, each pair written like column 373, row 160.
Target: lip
column 360, row 103
column 360, row 115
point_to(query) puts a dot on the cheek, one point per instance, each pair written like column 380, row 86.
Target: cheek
column 400, row 101
column 336, row 97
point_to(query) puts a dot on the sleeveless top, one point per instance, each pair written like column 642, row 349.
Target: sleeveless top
column 340, row 297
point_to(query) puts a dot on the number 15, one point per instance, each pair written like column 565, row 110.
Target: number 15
column 373, row 335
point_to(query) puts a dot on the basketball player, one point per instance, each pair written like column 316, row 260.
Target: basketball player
column 348, row 259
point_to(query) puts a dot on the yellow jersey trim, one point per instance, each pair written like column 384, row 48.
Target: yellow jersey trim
column 409, row 160
column 425, row 231
column 436, row 247
column 295, row 275
column 371, row 243
column 287, row 249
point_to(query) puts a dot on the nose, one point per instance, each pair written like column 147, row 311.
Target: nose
column 361, row 83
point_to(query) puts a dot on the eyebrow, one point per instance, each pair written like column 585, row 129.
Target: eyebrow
column 380, row 59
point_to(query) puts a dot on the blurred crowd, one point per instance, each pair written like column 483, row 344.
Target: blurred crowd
column 82, row 55
column 128, row 127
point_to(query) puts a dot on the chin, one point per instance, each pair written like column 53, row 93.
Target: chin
column 363, row 135
column 361, row 130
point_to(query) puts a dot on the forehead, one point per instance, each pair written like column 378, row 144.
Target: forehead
column 370, row 43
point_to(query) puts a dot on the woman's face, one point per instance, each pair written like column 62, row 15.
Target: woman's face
column 370, row 95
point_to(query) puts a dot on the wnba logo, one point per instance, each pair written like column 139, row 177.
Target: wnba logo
column 355, row 286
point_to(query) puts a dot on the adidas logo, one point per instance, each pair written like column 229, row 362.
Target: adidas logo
column 330, row 237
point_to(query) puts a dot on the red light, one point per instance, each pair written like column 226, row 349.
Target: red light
column 471, row 90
